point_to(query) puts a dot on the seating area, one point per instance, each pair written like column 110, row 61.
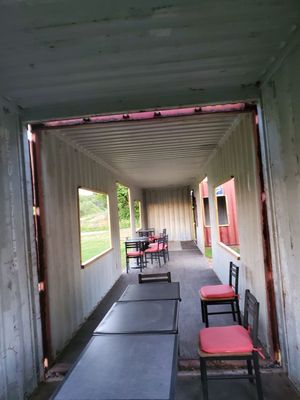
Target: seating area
column 232, row 342
column 189, row 321
column 147, row 247
column 138, row 332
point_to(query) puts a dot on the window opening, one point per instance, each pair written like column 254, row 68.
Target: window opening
column 206, row 214
column 123, row 197
column 95, row 235
column 137, row 214
column 204, row 201
column 227, row 216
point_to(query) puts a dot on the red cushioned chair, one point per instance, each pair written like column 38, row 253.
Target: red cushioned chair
column 233, row 342
column 156, row 250
column 166, row 244
column 134, row 251
column 222, row 295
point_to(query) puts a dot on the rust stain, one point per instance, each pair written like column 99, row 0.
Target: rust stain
column 271, row 297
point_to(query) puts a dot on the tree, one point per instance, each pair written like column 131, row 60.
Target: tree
column 123, row 203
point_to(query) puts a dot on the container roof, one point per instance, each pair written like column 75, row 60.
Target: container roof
column 64, row 58
column 158, row 152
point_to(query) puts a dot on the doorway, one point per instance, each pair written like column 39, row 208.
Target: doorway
column 123, row 198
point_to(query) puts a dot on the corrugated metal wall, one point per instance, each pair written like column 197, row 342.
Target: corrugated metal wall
column 20, row 341
column 170, row 209
column 73, row 292
column 236, row 157
column 281, row 102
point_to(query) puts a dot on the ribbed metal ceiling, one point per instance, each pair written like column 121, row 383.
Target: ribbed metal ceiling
column 72, row 57
column 157, row 152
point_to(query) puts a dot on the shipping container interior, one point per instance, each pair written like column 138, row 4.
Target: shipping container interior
column 190, row 114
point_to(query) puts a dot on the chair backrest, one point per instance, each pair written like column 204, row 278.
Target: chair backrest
column 251, row 315
column 146, row 232
column 133, row 246
column 161, row 241
column 234, row 277
column 164, row 231
column 161, row 277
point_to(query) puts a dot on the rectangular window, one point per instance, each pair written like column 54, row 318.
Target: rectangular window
column 206, row 211
column 222, row 210
column 227, row 217
column 95, row 236
column 137, row 214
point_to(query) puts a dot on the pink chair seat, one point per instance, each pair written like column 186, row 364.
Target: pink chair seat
column 134, row 253
column 217, row 292
column 153, row 249
column 233, row 339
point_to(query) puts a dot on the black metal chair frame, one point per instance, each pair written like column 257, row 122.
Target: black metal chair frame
column 157, row 254
column 135, row 246
column 251, row 309
column 233, row 302
column 144, row 232
column 151, row 278
column 166, row 246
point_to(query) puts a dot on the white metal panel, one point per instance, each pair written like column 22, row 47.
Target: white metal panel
column 157, row 152
column 281, row 101
column 68, row 57
column 73, row 292
column 236, row 156
column 171, row 209
column 20, row 339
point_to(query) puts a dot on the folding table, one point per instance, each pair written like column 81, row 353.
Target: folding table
column 153, row 316
column 123, row 367
column 152, row 291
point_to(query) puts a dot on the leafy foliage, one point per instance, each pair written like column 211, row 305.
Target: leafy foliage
column 137, row 213
column 90, row 205
column 123, row 205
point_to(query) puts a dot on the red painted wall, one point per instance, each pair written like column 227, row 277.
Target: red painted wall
column 228, row 234
column 203, row 194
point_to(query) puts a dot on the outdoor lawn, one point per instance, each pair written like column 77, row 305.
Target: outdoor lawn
column 208, row 252
column 94, row 243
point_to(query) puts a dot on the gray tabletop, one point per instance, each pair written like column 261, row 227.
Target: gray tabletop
column 152, row 291
column 123, row 367
column 153, row 316
column 138, row 239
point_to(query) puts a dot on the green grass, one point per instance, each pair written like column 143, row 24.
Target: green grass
column 208, row 252
column 124, row 233
column 94, row 244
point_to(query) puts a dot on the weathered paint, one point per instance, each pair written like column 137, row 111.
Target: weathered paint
column 139, row 55
column 170, row 208
column 236, row 156
column 281, row 143
column 73, row 292
column 20, row 339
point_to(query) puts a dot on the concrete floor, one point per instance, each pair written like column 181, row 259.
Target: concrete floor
column 192, row 270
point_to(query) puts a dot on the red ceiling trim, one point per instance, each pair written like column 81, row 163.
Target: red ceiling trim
column 145, row 115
